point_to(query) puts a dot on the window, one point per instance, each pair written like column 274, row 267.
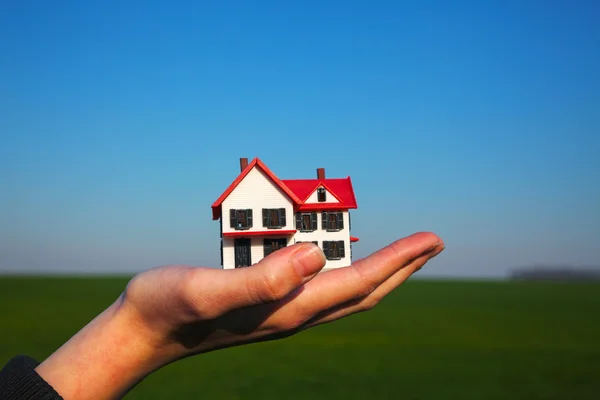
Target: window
column 303, row 241
column 306, row 222
column 273, row 218
column 321, row 194
column 332, row 221
column 271, row 245
column 334, row 250
column 240, row 219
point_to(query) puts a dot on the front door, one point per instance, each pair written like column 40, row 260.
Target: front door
column 242, row 253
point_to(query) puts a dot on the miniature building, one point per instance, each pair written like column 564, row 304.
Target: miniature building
column 259, row 214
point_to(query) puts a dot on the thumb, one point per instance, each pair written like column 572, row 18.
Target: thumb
column 282, row 272
column 271, row 279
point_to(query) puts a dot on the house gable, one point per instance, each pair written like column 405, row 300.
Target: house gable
column 266, row 173
column 256, row 192
column 339, row 193
column 327, row 196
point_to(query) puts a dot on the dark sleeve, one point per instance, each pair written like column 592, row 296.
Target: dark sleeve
column 19, row 380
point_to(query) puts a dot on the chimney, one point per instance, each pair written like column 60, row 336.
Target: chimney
column 243, row 164
column 320, row 173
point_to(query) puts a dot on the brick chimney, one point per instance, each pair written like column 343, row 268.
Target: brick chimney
column 243, row 164
column 320, row 173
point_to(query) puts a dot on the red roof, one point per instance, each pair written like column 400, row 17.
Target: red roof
column 340, row 188
column 216, row 207
column 298, row 190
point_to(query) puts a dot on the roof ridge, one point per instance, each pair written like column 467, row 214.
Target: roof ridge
column 256, row 162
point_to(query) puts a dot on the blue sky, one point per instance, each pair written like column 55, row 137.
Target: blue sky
column 121, row 123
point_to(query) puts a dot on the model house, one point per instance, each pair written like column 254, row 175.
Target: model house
column 260, row 213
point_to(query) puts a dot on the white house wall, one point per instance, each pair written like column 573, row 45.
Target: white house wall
column 257, row 191
column 320, row 235
column 257, row 250
column 228, row 253
column 329, row 198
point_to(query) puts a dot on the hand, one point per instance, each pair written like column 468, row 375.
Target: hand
column 172, row 312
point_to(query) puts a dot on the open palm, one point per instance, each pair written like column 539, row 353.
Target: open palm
column 168, row 313
column 194, row 310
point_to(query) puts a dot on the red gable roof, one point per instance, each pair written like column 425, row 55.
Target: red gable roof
column 298, row 190
column 340, row 188
column 216, row 207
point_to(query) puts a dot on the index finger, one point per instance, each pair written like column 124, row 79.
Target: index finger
column 340, row 285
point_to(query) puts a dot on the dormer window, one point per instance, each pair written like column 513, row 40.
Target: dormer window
column 321, row 194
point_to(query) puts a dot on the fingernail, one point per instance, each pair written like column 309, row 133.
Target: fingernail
column 309, row 260
column 434, row 247
column 437, row 251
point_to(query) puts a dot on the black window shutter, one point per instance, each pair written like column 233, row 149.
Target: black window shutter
column 313, row 221
column 232, row 218
column 298, row 221
column 341, row 250
column 326, row 248
column 265, row 215
column 267, row 247
column 282, row 221
column 249, row 216
column 222, row 252
column 340, row 220
column 324, row 220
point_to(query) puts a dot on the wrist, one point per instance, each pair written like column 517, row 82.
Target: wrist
column 106, row 358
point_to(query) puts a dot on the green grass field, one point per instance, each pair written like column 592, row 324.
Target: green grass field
column 428, row 340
